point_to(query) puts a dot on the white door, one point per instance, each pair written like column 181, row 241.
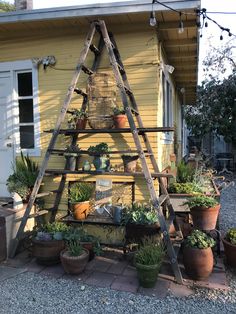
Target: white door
column 6, row 145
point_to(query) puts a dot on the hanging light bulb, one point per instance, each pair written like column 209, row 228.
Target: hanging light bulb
column 221, row 37
column 230, row 34
column 206, row 24
column 153, row 21
column 181, row 24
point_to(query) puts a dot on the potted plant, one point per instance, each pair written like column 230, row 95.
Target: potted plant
column 80, row 194
column 198, row 256
column 140, row 220
column 78, row 119
column 49, row 242
column 72, row 155
column 130, row 162
column 25, row 172
column 229, row 242
column 119, row 118
column 204, row 211
column 148, row 260
column 74, row 258
column 101, row 159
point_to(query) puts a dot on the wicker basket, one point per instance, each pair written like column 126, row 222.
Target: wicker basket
column 102, row 122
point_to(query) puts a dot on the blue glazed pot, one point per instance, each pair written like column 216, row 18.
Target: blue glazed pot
column 101, row 163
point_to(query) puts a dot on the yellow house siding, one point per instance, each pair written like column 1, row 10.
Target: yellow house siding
column 138, row 49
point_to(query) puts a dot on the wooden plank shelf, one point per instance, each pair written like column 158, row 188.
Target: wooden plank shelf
column 125, row 130
column 112, row 173
column 90, row 220
column 121, row 152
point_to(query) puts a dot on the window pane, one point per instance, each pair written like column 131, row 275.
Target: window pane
column 26, row 110
column 25, row 84
column 27, row 136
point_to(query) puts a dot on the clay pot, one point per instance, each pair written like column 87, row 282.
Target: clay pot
column 205, row 218
column 81, row 124
column 74, row 264
column 147, row 274
column 130, row 163
column 47, row 252
column 198, row 263
column 120, row 121
column 230, row 252
column 81, row 210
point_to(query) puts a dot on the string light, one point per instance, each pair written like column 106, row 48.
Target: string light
column 153, row 21
column 181, row 24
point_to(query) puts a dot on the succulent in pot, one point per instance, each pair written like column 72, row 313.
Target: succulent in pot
column 229, row 242
column 72, row 155
column 101, row 159
column 119, row 117
column 148, row 260
column 204, row 211
column 78, row 119
column 49, row 242
column 130, row 162
column 197, row 255
column 80, row 194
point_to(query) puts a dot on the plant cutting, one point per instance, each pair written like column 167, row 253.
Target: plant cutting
column 198, row 256
column 130, row 162
column 101, row 159
column 72, row 155
column 80, row 194
column 148, row 260
column 48, row 242
column 119, row 117
column 140, row 220
column 25, row 172
column 229, row 242
column 78, row 119
column 204, row 211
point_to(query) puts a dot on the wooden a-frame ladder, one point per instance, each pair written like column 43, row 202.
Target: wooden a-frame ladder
column 136, row 128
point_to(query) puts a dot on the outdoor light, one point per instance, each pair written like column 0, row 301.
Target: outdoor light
column 153, row 21
column 181, row 24
column 169, row 68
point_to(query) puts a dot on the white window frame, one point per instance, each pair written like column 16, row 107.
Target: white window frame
column 167, row 107
column 16, row 67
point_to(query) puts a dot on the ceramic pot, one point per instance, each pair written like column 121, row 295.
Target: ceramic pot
column 74, row 265
column 81, row 210
column 120, row 121
column 230, row 253
column 81, row 124
column 72, row 162
column 198, row 263
column 130, row 163
column 205, row 218
column 147, row 274
column 48, row 252
column 101, row 163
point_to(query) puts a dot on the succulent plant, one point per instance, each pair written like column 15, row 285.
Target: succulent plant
column 231, row 236
column 201, row 201
column 200, row 240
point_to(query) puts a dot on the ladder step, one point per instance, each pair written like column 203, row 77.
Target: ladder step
column 39, row 213
column 94, row 49
column 80, row 92
column 162, row 199
column 128, row 91
column 86, row 70
column 43, row 194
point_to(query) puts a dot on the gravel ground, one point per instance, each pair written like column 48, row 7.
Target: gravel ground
column 32, row 293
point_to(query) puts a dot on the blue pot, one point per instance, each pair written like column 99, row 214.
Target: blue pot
column 101, row 163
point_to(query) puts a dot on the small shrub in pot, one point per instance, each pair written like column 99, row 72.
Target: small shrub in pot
column 101, row 159
column 119, row 117
column 229, row 242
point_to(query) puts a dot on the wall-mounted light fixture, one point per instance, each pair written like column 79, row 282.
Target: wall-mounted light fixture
column 169, row 68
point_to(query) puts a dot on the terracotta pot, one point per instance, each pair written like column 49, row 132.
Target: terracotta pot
column 198, row 263
column 81, row 124
column 130, row 163
column 120, row 121
column 230, row 252
column 74, row 264
column 147, row 274
column 205, row 218
column 88, row 246
column 48, row 252
column 81, row 210
column 136, row 232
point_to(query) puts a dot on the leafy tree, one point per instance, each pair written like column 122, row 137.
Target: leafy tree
column 215, row 108
column 6, row 7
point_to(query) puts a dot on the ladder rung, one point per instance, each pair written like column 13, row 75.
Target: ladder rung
column 43, row 194
column 162, row 199
column 80, row 92
column 121, row 69
column 87, row 70
column 39, row 213
column 94, row 49
column 134, row 111
column 128, row 91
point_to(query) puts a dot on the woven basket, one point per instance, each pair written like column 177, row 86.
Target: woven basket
column 101, row 122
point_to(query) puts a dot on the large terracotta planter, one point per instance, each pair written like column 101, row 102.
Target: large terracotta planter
column 120, row 121
column 230, row 253
column 48, row 252
column 81, row 210
column 147, row 274
column 130, row 163
column 198, row 263
column 74, row 264
column 205, row 218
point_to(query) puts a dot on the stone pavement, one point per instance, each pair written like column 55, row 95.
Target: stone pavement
column 114, row 272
